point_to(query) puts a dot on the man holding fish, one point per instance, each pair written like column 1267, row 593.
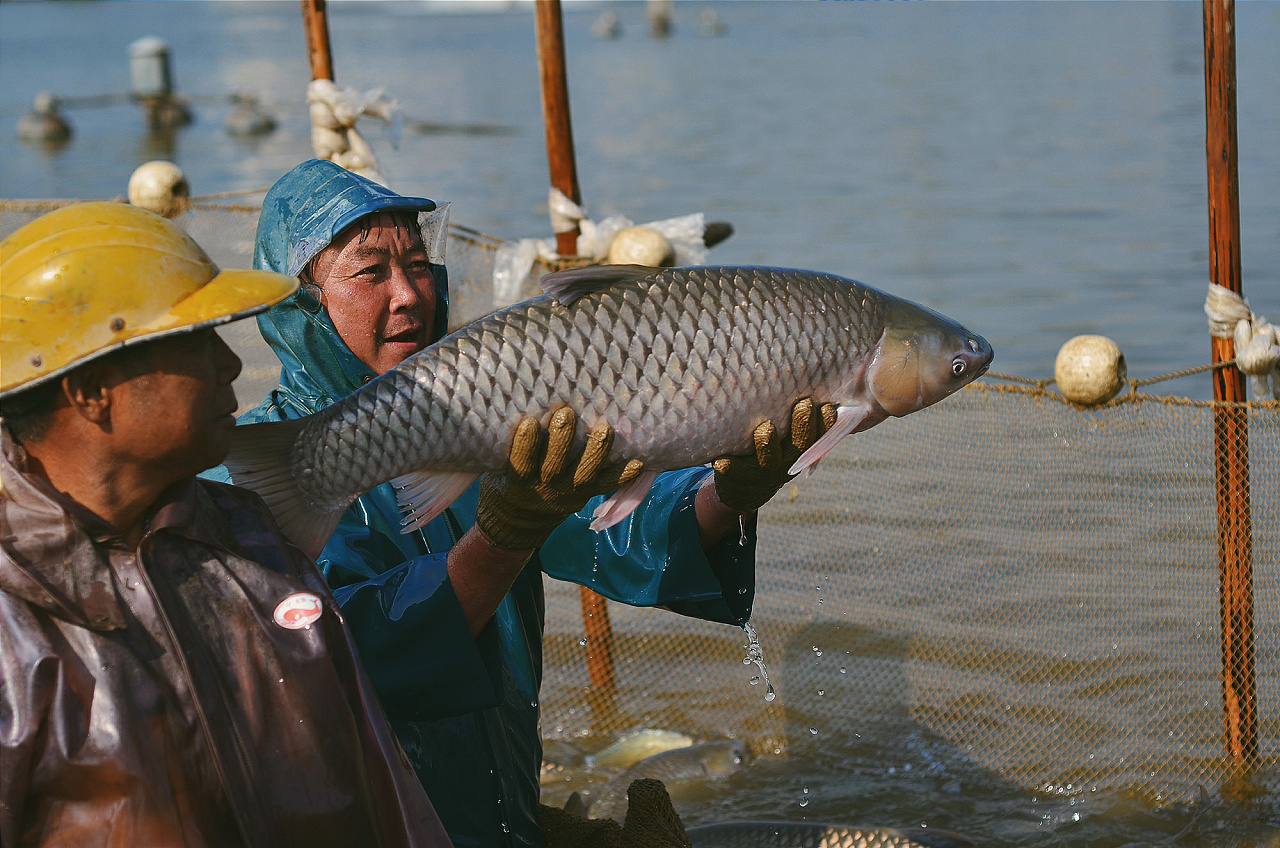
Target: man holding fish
column 449, row 616
column 172, row 670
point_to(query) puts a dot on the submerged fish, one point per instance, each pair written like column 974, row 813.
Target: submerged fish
column 696, row 762
column 805, row 835
column 631, row 749
column 682, row 362
column 557, row 756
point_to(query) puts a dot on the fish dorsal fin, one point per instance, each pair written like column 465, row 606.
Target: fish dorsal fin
column 567, row 286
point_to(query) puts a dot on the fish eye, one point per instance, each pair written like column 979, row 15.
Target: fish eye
column 957, row 366
column 973, row 345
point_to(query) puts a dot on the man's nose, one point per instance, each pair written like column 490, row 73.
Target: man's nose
column 408, row 290
column 228, row 363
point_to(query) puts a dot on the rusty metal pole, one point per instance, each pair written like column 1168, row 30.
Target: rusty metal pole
column 564, row 176
column 1230, row 423
column 316, row 23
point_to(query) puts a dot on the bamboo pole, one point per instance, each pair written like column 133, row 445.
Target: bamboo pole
column 316, row 23
column 564, row 176
column 1230, row 424
column 555, row 112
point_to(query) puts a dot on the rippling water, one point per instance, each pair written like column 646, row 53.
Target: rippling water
column 1034, row 170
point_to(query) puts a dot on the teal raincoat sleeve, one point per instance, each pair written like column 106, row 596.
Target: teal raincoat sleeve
column 654, row 556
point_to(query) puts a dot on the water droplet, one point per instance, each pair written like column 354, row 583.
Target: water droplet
column 755, row 655
column 843, row 669
column 813, row 731
column 281, row 680
column 755, row 680
column 583, row 641
column 821, row 692
column 804, row 797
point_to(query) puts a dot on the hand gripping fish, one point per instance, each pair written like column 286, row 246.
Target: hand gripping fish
column 682, row 362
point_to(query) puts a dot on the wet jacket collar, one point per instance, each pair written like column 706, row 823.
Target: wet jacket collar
column 55, row 554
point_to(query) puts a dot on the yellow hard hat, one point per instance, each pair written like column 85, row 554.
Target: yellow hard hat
column 91, row 277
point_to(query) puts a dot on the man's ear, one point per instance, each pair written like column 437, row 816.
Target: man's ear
column 88, row 391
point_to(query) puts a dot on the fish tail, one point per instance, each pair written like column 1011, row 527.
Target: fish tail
column 259, row 460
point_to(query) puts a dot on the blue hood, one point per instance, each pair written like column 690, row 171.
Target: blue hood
column 302, row 214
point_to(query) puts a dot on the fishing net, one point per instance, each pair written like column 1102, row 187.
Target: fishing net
column 1034, row 584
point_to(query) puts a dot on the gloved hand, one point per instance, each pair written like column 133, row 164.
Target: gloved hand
column 746, row 483
column 542, row 485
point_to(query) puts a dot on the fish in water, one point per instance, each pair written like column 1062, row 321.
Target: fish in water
column 557, row 756
column 696, row 762
column 633, row 748
column 806, row 835
column 683, row 363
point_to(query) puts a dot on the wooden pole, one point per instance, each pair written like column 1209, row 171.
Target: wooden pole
column 1230, row 423
column 316, row 22
column 564, row 176
column 555, row 112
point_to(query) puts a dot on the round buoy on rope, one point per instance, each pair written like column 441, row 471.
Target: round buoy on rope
column 641, row 246
column 160, row 187
column 1090, row 370
column 44, row 124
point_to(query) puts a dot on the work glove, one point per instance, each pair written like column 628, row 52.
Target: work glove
column 651, row 822
column 745, row 483
column 544, row 483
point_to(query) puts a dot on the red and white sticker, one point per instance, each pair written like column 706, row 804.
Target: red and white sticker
column 299, row 610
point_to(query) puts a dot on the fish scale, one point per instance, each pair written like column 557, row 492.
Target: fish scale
column 683, row 363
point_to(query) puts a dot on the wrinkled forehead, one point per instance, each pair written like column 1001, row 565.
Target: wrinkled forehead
column 398, row 221
column 369, row 236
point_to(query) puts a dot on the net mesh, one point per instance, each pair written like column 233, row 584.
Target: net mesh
column 1035, row 583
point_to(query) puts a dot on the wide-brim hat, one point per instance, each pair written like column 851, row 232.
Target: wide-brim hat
column 91, row 278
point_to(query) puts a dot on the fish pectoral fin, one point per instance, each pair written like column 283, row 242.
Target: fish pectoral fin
column 623, row 502
column 847, row 420
column 569, row 285
column 422, row 495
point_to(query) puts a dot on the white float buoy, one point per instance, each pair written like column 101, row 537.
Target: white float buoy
column 1090, row 370
column 641, row 246
column 160, row 187
column 44, row 123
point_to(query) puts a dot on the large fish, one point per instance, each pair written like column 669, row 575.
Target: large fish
column 682, row 362
column 806, row 835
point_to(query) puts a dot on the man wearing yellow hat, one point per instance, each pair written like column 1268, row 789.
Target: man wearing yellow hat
column 172, row 671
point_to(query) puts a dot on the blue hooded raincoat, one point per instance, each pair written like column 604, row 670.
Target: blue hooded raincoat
column 464, row 709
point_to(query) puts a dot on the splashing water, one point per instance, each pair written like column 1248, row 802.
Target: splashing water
column 755, row 654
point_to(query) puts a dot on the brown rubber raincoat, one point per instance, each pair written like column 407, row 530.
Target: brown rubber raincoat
column 180, row 693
